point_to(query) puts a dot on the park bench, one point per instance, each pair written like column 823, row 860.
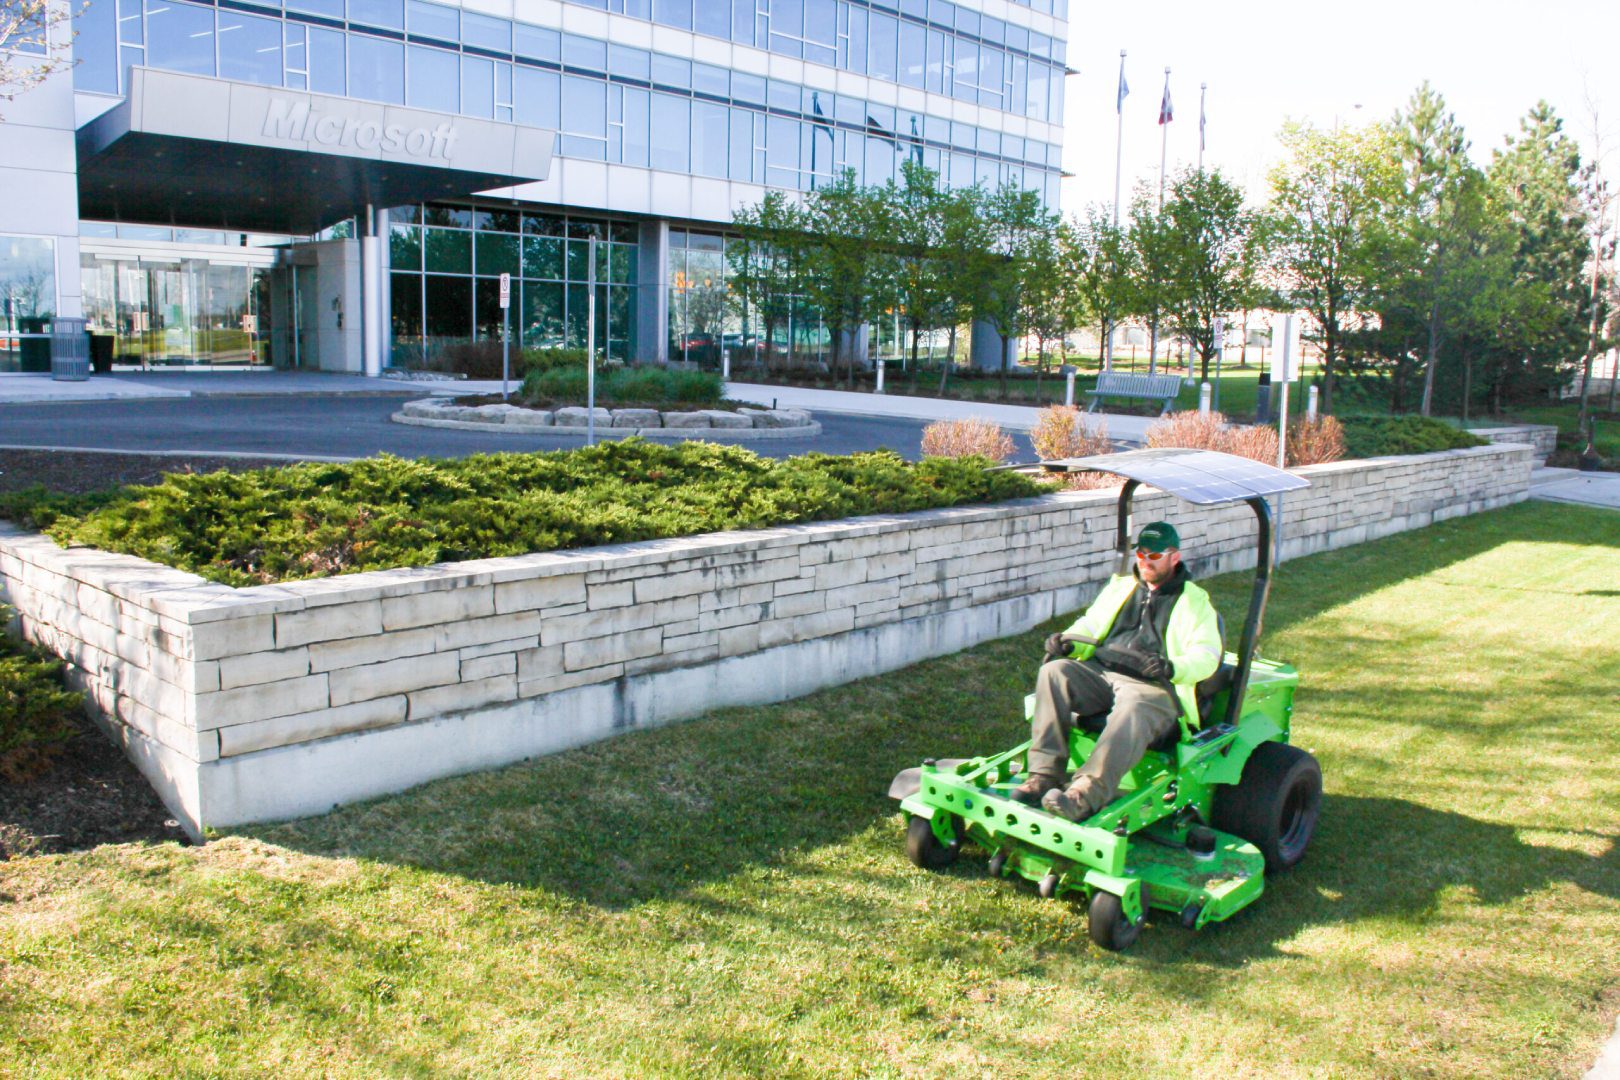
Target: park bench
column 1117, row 384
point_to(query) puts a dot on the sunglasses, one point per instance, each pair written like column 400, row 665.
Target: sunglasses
column 1151, row 556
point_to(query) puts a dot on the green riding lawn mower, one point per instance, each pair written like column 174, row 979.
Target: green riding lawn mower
column 1209, row 810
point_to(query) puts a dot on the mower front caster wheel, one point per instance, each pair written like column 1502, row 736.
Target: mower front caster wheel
column 1106, row 922
column 926, row 850
column 1047, row 886
column 998, row 863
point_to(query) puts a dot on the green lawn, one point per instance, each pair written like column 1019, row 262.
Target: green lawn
column 730, row 896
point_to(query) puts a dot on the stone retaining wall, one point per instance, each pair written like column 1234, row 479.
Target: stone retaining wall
column 1544, row 437
column 739, row 425
column 278, row 701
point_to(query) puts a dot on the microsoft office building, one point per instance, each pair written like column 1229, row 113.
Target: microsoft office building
column 338, row 184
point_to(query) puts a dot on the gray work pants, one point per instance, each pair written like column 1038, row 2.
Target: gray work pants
column 1139, row 713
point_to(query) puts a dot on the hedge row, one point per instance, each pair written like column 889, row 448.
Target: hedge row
column 1381, row 436
column 36, row 710
column 315, row 520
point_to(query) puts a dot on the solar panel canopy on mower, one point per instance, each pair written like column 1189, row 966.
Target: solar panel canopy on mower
column 1203, row 477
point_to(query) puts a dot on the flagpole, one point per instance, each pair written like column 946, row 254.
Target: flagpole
column 1203, row 92
column 1164, row 141
column 1119, row 138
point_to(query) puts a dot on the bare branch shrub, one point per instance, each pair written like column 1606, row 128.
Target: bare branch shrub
column 964, row 438
column 1311, row 442
column 1194, row 430
column 1058, row 434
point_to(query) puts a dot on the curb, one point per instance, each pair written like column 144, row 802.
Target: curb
column 603, row 432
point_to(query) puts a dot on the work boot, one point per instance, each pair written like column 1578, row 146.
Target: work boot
column 1034, row 787
column 1071, row 802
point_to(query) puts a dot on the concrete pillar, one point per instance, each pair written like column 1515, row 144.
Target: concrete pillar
column 652, row 296
column 985, row 348
column 374, row 320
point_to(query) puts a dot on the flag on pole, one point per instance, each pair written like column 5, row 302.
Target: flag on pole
column 1166, row 113
column 1124, row 89
column 1200, row 121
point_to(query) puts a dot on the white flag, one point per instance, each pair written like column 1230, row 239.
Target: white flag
column 1124, row 90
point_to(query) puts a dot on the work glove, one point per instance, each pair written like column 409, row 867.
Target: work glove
column 1158, row 667
column 1057, row 648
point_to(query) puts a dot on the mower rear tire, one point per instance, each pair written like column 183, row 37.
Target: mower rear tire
column 925, row 850
column 1275, row 805
column 1107, row 925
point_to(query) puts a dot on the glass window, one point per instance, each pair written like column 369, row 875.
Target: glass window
column 821, row 23
column 543, row 225
column 708, row 79
column 249, row 48
column 434, row 78
column 27, row 279
column 584, row 106
column 180, row 37
column 486, row 32
column 741, row 152
column 1035, row 106
column 405, row 298
column 131, row 26
column 535, row 97
column 630, row 63
column 498, row 254
column 542, row 257
column 913, row 53
column 1017, row 37
column 784, row 95
column 710, row 138
column 477, row 86
column 586, row 53
column 967, row 20
column 671, row 71
column 448, row 251
column 537, row 43
column 966, row 84
column 633, row 147
column 448, row 307
column 742, row 21
column 782, row 152
column 542, row 316
column 326, row 61
column 376, row 69
column 713, row 17
column 671, row 133
column 331, row 9
column 404, row 247
column 885, row 42
column 854, row 50
column 432, row 20
column 623, row 269
column 676, row 13
column 95, row 47
column 386, row 13
column 993, row 30
column 747, row 88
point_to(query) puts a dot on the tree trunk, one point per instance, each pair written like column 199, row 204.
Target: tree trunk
column 1005, row 343
column 1431, row 355
column 1468, row 384
column 950, row 359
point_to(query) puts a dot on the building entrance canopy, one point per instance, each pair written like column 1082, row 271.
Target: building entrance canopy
column 211, row 153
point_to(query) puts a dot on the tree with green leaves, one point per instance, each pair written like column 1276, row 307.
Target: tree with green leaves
column 1328, row 228
column 1106, row 275
column 765, row 263
column 923, row 276
column 1213, row 250
column 964, row 248
column 1154, row 260
column 849, row 261
column 1018, row 228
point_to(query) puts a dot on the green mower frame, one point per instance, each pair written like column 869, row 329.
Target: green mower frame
column 1206, row 813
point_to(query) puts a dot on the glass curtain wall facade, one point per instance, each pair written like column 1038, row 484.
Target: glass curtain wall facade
column 632, row 106
column 446, row 262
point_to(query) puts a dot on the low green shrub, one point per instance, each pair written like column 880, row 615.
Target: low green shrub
column 318, row 519
column 36, row 710
column 648, row 385
column 1380, row 436
column 549, row 359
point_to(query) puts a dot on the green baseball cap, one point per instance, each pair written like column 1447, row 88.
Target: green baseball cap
column 1159, row 536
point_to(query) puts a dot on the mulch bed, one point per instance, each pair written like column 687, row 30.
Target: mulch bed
column 90, row 794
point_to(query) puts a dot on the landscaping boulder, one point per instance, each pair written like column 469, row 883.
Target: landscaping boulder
column 528, row 418
column 720, row 418
column 776, row 418
column 579, row 416
column 636, row 418
column 685, row 420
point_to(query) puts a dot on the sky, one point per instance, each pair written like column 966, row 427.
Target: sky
column 1266, row 62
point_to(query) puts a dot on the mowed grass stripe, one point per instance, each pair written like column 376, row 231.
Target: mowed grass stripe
column 730, row 896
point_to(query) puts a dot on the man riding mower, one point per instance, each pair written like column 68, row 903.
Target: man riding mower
column 1185, row 790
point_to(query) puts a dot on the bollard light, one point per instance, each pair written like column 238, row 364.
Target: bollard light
column 1310, row 403
column 1068, row 388
column 1205, row 391
column 880, row 376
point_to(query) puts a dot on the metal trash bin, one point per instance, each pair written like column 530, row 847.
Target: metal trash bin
column 70, row 350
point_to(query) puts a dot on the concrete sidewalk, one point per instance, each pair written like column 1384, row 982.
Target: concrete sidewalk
column 1574, row 486
column 41, row 389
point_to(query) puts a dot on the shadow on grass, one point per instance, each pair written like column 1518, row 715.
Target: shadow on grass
column 657, row 815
